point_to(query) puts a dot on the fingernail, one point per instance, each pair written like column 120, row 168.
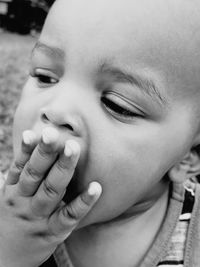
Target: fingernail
column 49, row 135
column 67, row 150
column 94, row 189
column 73, row 146
column 28, row 137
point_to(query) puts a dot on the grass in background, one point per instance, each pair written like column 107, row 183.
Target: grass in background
column 14, row 65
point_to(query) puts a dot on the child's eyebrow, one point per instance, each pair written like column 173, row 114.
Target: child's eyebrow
column 147, row 85
column 49, row 50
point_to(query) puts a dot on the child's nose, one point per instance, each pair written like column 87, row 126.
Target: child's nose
column 66, row 108
column 54, row 116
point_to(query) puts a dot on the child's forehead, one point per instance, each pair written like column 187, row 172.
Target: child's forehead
column 133, row 22
column 162, row 34
column 97, row 9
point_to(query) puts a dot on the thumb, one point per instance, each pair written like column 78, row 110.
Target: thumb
column 67, row 217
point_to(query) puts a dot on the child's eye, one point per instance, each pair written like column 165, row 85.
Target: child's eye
column 119, row 108
column 44, row 78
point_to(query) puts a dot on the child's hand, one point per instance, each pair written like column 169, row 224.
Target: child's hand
column 33, row 217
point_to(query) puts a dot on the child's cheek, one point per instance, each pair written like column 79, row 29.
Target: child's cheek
column 23, row 120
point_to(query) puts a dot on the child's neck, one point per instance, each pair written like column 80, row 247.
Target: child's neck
column 121, row 243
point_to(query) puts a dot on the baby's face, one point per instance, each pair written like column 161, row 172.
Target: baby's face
column 116, row 77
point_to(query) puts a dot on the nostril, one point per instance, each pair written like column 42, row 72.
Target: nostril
column 44, row 118
column 58, row 121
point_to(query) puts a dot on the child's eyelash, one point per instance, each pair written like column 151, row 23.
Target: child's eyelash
column 114, row 108
column 43, row 77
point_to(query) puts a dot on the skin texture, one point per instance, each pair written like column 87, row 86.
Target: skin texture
column 34, row 219
column 73, row 89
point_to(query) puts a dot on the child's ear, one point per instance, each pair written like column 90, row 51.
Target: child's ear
column 189, row 167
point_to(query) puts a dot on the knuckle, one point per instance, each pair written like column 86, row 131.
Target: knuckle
column 49, row 189
column 24, row 217
column 10, row 202
column 44, row 153
column 40, row 234
column 32, row 172
column 71, row 212
column 78, row 210
column 85, row 200
column 17, row 167
column 61, row 166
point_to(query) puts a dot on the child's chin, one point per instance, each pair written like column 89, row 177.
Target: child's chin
column 81, row 225
column 87, row 221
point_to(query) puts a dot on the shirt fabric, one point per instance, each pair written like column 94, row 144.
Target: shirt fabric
column 176, row 247
column 178, row 241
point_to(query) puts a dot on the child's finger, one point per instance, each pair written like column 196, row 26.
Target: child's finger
column 52, row 189
column 40, row 162
column 28, row 144
column 67, row 217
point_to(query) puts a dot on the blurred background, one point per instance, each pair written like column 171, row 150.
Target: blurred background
column 20, row 25
column 23, row 16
